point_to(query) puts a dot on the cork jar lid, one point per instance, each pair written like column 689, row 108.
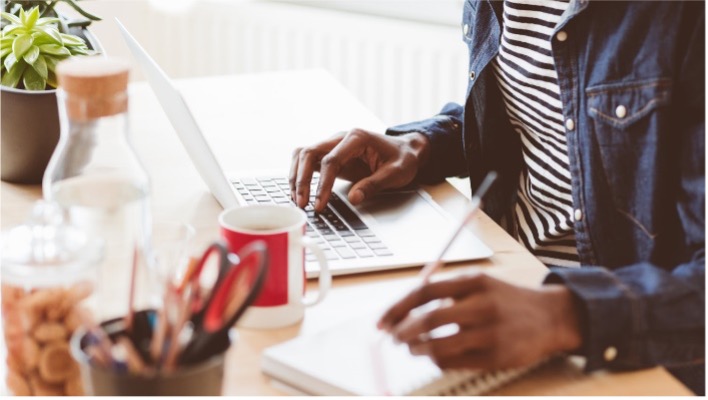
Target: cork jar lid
column 95, row 86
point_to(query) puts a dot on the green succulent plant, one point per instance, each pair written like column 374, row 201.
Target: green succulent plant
column 31, row 47
column 47, row 9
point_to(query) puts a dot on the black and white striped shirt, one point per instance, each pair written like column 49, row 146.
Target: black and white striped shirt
column 527, row 78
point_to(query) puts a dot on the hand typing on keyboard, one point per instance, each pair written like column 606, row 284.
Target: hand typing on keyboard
column 372, row 161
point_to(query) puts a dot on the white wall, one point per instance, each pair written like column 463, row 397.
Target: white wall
column 402, row 70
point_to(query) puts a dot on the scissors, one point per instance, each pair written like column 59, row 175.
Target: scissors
column 197, row 299
column 233, row 293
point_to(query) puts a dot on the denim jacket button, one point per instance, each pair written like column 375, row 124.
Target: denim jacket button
column 569, row 124
column 472, row 75
column 621, row 111
column 561, row 36
column 465, row 29
column 610, row 354
column 578, row 214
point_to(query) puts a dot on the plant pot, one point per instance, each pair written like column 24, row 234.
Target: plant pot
column 29, row 127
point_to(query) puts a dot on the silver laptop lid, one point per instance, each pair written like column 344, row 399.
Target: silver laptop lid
column 184, row 123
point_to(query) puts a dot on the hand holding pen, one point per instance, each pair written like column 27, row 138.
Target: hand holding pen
column 476, row 202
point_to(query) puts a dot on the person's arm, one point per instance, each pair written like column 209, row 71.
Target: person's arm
column 446, row 151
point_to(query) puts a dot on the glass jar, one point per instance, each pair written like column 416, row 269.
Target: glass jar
column 48, row 280
column 97, row 178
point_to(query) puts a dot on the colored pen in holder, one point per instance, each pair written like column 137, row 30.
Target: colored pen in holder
column 191, row 332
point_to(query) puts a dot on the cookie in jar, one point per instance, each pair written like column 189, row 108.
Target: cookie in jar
column 48, row 282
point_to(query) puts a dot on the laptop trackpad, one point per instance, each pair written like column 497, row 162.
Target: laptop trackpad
column 389, row 207
column 411, row 225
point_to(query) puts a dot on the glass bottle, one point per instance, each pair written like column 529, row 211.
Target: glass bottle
column 96, row 176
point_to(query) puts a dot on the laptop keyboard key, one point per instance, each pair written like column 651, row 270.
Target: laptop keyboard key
column 383, row 252
column 330, row 255
column 337, row 243
column 345, row 253
column 357, row 246
column 347, row 213
column 371, row 240
column 377, row 246
column 365, row 233
column 364, row 253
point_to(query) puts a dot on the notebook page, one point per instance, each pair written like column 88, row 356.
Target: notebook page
column 342, row 356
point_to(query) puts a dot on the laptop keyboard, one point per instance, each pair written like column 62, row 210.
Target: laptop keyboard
column 339, row 232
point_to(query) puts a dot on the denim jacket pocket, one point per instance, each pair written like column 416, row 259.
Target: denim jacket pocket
column 620, row 106
column 629, row 122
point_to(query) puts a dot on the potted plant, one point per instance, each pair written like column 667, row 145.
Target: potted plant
column 34, row 39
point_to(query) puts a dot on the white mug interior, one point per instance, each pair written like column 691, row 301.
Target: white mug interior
column 262, row 219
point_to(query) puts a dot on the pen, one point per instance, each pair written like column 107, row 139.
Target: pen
column 104, row 344
column 98, row 357
column 175, row 345
column 158, row 341
column 132, row 357
column 131, row 296
column 476, row 202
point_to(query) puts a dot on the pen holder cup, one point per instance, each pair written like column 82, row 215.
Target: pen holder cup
column 202, row 379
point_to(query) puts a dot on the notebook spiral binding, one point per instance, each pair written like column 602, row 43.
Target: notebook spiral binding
column 471, row 383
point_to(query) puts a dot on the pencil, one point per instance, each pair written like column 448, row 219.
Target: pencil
column 476, row 201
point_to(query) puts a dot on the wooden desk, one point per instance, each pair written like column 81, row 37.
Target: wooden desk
column 254, row 122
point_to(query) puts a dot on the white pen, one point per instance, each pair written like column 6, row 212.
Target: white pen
column 476, row 202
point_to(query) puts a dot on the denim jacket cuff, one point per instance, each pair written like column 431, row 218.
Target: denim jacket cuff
column 436, row 129
column 610, row 315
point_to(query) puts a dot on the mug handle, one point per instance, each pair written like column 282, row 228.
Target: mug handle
column 325, row 279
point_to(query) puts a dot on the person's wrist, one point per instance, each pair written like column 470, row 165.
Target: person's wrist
column 419, row 145
column 565, row 319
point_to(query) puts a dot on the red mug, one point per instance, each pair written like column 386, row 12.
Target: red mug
column 282, row 301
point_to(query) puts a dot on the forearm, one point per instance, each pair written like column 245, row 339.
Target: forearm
column 444, row 156
column 640, row 315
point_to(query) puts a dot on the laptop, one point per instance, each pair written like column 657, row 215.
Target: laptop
column 395, row 229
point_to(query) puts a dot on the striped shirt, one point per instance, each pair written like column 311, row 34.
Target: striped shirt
column 528, row 81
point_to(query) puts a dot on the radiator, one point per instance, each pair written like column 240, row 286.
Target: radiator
column 401, row 70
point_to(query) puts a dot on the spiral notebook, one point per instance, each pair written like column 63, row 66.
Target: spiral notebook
column 353, row 358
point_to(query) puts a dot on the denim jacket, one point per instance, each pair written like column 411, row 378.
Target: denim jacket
column 638, row 179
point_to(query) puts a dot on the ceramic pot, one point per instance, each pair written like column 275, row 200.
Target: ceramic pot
column 29, row 127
